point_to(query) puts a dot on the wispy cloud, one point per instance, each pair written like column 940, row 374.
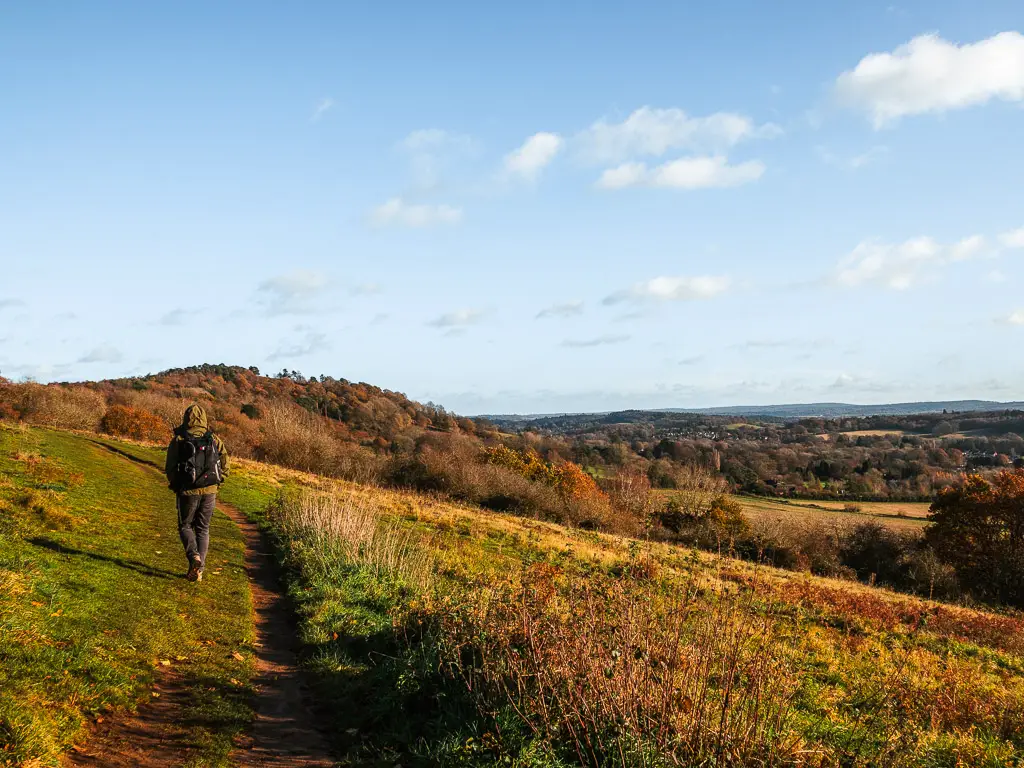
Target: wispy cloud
column 322, row 107
column 11, row 303
column 1014, row 318
column 173, row 318
column 853, row 162
column 566, row 309
column 1013, row 239
column 365, row 289
column 929, row 74
column 102, row 354
column 899, row 266
column 653, row 132
column 293, row 293
column 673, row 289
column 460, row 318
column 535, row 153
column 397, row 212
column 599, row 341
column 309, row 341
column 434, row 153
column 685, row 173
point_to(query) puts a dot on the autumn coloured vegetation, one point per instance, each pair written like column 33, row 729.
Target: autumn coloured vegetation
column 508, row 641
column 475, row 602
column 672, row 478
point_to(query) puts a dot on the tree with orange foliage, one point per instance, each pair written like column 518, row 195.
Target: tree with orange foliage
column 574, row 484
column 125, row 421
column 978, row 528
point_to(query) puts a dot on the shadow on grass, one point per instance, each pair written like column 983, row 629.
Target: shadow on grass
column 130, row 565
column 127, row 455
column 384, row 701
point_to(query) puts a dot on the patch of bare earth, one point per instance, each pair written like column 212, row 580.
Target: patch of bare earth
column 284, row 734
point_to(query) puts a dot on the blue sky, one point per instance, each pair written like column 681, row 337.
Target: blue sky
column 536, row 207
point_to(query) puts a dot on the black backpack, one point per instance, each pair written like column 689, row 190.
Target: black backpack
column 198, row 462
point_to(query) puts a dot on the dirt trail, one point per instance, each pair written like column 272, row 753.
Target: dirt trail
column 283, row 734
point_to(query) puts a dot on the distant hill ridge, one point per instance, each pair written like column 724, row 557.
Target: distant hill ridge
column 809, row 410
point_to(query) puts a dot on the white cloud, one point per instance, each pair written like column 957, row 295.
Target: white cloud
column 673, row 289
column 967, row 248
column 685, row 173
column 435, row 140
column 538, row 150
column 433, row 152
column 102, row 354
column 567, row 309
column 460, row 318
column 1015, row 318
column 1014, row 239
column 899, row 266
column 653, row 132
column 853, row 162
column 295, row 292
column 322, row 107
column 600, row 341
column 930, row 74
column 11, row 303
column 398, row 212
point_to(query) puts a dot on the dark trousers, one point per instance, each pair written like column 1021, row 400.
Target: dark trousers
column 194, row 515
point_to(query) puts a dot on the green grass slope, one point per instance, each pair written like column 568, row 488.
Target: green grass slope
column 94, row 606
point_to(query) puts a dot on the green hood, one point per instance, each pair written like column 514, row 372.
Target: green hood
column 195, row 421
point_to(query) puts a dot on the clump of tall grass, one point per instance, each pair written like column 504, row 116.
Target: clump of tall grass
column 347, row 528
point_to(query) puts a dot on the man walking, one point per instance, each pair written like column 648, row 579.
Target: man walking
column 197, row 463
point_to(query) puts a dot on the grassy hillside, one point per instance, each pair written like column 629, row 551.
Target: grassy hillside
column 440, row 633
column 93, row 607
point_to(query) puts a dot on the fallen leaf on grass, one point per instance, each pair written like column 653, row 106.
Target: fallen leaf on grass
column 165, row 662
column 57, row 613
column 234, row 682
column 180, row 658
column 37, row 604
column 238, row 656
column 155, row 695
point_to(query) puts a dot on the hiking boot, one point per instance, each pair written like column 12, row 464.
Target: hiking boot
column 195, row 570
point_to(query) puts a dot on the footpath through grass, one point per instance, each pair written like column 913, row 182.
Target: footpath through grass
column 94, row 607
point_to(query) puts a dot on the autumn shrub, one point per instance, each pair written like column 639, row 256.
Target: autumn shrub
column 167, row 407
column 293, row 437
column 506, row 480
column 125, row 421
column 59, row 406
column 630, row 491
column 613, row 671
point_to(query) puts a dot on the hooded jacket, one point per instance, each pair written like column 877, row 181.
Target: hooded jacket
column 196, row 424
